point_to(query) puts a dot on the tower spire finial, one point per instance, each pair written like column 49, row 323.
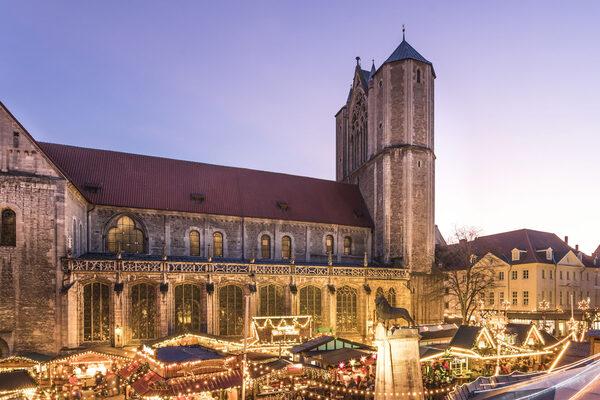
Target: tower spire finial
column 357, row 60
column 403, row 32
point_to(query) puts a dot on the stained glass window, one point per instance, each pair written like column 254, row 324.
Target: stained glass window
column 346, row 320
column 194, row 243
column 8, row 234
column 286, row 247
column 143, row 311
column 265, row 246
column 310, row 303
column 271, row 301
column 218, row 244
column 126, row 237
column 187, row 308
column 231, row 311
column 96, row 312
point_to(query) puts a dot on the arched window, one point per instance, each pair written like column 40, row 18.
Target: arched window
column 265, row 246
column 286, row 247
column 218, row 244
column 271, row 301
column 379, row 292
column 346, row 309
column 8, row 234
column 347, row 245
column 310, row 303
column 194, row 243
column 329, row 244
column 391, row 297
column 96, row 312
column 231, row 311
column 143, row 311
column 188, row 299
column 125, row 237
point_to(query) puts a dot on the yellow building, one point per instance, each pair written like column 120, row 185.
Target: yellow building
column 535, row 275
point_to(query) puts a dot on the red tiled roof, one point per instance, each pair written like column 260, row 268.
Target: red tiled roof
column 530, row 241
column 131, row 180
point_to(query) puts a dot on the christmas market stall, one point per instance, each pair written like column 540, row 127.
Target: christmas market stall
column 182, row 367
column 18, row 362
column 17, row 385
column 89, row 369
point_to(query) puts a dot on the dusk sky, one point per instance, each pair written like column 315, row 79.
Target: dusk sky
column 256, row 84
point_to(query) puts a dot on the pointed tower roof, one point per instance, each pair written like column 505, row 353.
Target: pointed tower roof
column 373, row 70
column 405, row 52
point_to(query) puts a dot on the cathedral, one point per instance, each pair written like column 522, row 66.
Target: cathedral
column 102, row 247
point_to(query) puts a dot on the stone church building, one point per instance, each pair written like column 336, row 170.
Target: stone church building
column 102, row 247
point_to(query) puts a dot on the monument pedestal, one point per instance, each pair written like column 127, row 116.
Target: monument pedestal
column 398, row 373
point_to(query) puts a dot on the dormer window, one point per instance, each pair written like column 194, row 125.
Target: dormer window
column 283, row 206
column 516, row 254
column 93, row 188
column 197, row 198
column 549, row 253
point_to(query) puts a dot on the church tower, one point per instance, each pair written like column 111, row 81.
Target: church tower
column 385, row 144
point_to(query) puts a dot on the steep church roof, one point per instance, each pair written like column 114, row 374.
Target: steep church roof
column 405, row 51
column 129, row 180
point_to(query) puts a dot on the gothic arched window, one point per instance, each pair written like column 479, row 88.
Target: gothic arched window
column 391, row 297
column 218, row 244
column 379, row 292
column 125, row 237
column 329, row 244
column 231, row 311
column 271, row 301
column 143, row 311
column 265, row 246
column 346, row 300
column 358, row 134
column 194, row 243
column 8, row 234
column 188, row 299
column 347, row 245
column 96, row 312
column 286, row 247
column 310, row 303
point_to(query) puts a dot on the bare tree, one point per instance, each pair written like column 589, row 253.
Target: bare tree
column 467, row 272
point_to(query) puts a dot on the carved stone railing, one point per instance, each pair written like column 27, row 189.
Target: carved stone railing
column 145, row 266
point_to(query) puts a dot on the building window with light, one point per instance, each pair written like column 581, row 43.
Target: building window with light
column 500, row 298
column 560, row 274
column 515, row 275
column 125, row 237
column 231, row 310
column 346, row 309
column 515, row 298
column 188, row 298
column 310, row 303
column 265, row 246
column 491, row 299
column 286, row 247
column 525, row 298
column 96, row 312
column 543, row 295
column 143, row 311
column 194, row 243
column 347, row 245
column 218, row 244
column 560, row 298
column 329, row 244
column 271, row 301
column 525, row 274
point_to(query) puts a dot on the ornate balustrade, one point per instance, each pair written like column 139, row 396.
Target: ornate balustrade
column 132, row 266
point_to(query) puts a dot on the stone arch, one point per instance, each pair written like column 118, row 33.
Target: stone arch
column 20, row 222
column 4, row 349
column 258, row 246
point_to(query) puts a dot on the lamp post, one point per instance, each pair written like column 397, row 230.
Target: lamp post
column 544, row 306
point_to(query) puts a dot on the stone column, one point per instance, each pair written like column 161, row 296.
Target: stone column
column 398, row 367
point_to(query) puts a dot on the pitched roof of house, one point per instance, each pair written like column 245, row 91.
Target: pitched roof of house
column 465, row 336
column 532, row 244
column 138, row 181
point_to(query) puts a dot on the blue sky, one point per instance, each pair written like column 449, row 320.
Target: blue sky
column 256, row 84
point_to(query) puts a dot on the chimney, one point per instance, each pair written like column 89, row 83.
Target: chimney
column 576, row 247
column 566, row 239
